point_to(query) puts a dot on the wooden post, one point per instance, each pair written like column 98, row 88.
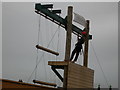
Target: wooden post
column 86, row 45
column 69, row 32
column 68, row 43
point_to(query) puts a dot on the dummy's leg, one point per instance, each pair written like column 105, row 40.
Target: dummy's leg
column 76, row 57
column 73, row 53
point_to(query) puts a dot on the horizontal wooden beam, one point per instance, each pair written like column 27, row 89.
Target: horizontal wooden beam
column 59, row 63
column 44, row 83
column 55, row 17
column 47, row 50
column 39, row 9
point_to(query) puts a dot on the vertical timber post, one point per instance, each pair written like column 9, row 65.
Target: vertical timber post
column 86, row 45
column 68, row 43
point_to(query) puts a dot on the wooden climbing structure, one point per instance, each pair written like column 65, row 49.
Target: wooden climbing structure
column 75, row 76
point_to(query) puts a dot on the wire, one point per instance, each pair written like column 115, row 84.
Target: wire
column 42, row 56
column 99, row 63
column 39, row 30
column 44, row 60
column 57, row 48
column 37, row 44
column 58, row 38
column 45, row 67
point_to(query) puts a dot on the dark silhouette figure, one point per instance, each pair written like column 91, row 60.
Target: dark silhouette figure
column 77, row 49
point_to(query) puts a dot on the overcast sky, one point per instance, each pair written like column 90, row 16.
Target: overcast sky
column 20, row 34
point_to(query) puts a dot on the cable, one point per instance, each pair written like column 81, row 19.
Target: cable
column 37, row 44
column 45, row 68
column 41, row 56
column 57, row 48
column 99, row 64
column 44, row 60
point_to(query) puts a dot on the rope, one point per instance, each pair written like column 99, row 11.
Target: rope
column 44, row 60
column 57, row 47
column 41, row 56
column 45, row 68
column 58, row 38
column 99, row 63
column 37, row 44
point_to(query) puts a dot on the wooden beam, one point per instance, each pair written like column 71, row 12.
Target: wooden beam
column 54, row 17
column 44, row 83
column 68, row 44
column 85, row 62
column 46, row 6
column 56, row 72
column 47, row 50
column 59, row 63
column 56, row 11
column 68, row 33
column 15, row 84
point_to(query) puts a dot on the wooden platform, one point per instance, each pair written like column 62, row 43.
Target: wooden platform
column 78, row 76
column 58, row 63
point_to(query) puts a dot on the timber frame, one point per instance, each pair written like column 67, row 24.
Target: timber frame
column 52, row 15
column 44, row 11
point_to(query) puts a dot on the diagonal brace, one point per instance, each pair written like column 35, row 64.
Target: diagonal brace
column 56, row 72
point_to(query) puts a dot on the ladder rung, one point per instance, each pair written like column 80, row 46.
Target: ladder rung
column 58, row 63
column 44, row 83
column 47, row 50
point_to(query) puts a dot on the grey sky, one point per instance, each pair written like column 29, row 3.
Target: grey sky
column 20, row 27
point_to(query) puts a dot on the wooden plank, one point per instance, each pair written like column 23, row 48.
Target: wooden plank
column 44, row 83
column 77, row 76
column 77, row 66
column 76, row 70
column 76, row 86
column 57, row 63
column 81, row 79
column 80, row 70
column 90, row 80
column 80, row 85
column 71, row 86
column 47, row 50
column 82, row 73
column 80, row 82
